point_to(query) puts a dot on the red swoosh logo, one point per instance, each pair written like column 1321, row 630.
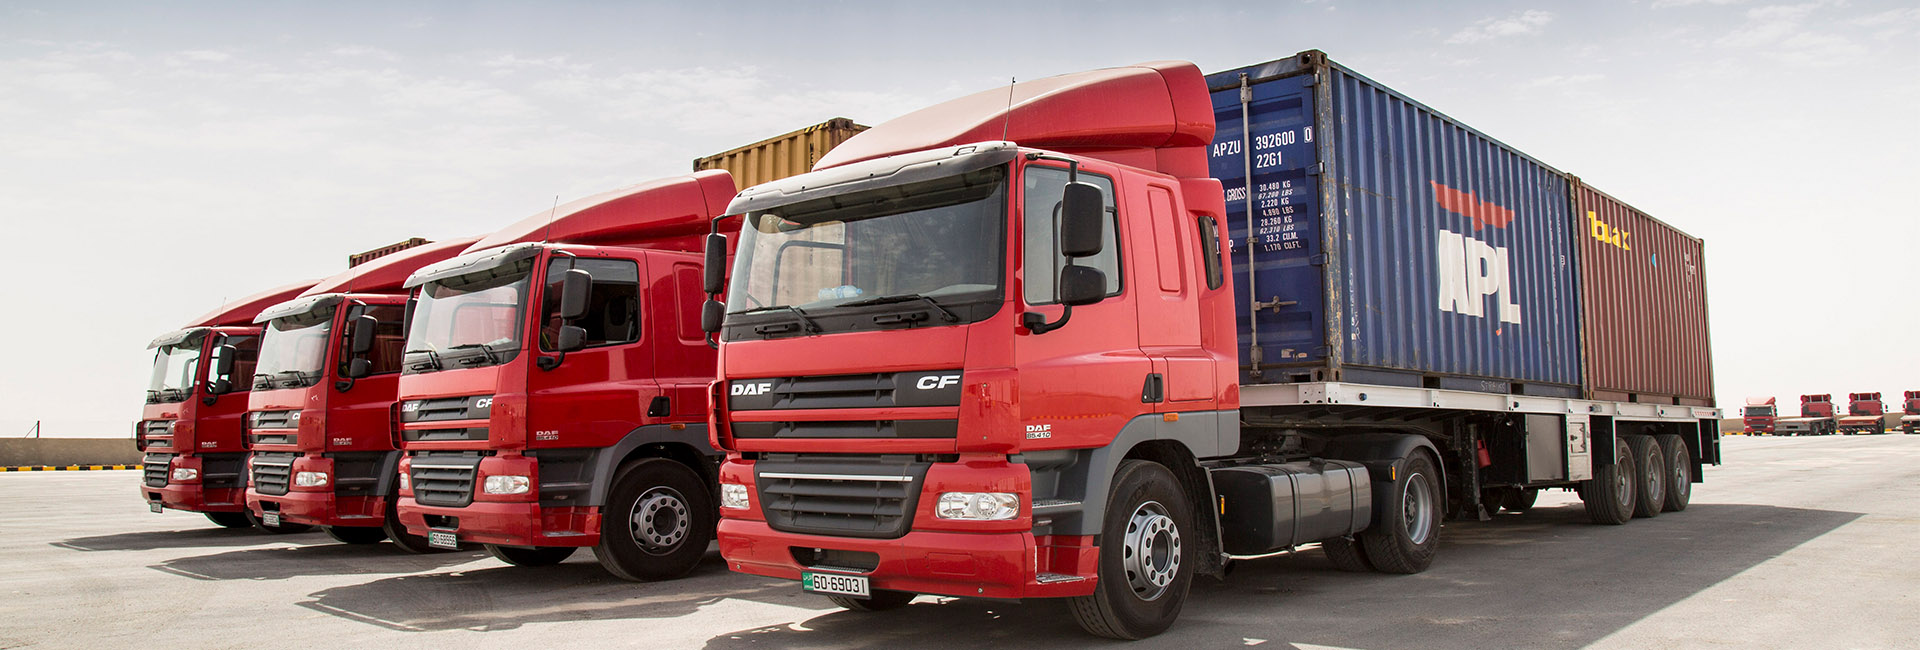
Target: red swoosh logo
column 1483, row 213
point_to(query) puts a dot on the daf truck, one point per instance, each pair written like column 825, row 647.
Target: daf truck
column 1758, row 416
column 1865, row 415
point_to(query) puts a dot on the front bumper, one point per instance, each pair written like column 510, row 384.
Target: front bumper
column 991, row 565
column 193, row 497
column 320, row 508
column 506, row 524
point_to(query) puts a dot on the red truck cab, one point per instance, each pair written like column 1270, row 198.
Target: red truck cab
column 189, row 430
column 1759, row 416
column 1910, row 421
column 554, row 387
column 1865, row 414
column 320, row 413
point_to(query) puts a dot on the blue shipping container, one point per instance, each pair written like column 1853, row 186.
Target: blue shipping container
column 1391, row 244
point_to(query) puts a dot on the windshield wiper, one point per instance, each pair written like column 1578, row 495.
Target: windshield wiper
column 432, row 363
column 258, row 384
column 485, row 351
column 812, row 326
column 298, row 380
column 904, row 297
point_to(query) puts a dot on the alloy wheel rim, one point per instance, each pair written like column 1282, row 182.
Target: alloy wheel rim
column 1150, row 553
column 660, row 520
column 1417, row 508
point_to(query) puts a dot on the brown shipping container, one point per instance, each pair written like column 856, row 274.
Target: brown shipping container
column 1643, row 291
column 357, row 259
column 781, row 156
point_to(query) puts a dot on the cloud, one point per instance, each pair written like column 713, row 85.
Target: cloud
column 1520, row 24
column 1793, row 34
column 1662, row 4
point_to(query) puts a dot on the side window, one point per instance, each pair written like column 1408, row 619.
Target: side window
column 389, row 338
column 1041, row 242
column 1210, row 249
column 246, row 358
column 613, row 304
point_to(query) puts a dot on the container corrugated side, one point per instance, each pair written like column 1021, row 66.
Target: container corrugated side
column 781, row 156
column 1392, row 244
column 1644, row 297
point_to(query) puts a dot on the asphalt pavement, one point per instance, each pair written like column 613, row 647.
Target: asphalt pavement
column 1794, row 543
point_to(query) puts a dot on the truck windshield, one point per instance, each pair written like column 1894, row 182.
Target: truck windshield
column 469, row 320
column 938, row 242
column 1760, row 410
column 174, row 371
column 294, row 351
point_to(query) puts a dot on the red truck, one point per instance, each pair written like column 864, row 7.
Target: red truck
column 952, row 364
column 554, row 388
column 318, row 418
column 195, row 457
column 1866, row 414
column 1910, row 420
column 1817, row 418
column 1759, row 415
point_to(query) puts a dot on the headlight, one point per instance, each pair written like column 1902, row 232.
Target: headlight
column 985, row 506
column 507, row 485
column 733, row 495
column 185, row 473
column 406, row 482
column 310, row 479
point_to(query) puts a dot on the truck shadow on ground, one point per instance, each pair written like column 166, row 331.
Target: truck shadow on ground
column 495, row 598
column 148, row 540
column 1547, row 576
column 321, row 558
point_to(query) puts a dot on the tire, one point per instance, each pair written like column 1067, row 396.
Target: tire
column 531, row 555
column 355, row 534
column 657, row 523
column 283, row 529
column 1406, row 531
column 1679, row 472
column 1144, row 568
column 230, row 519
column 1650, row 495
column 1609, row 495
column 396, row 531
column 1494, row 498
column 1346, row 554
column 1521, row 500
column 881, row 600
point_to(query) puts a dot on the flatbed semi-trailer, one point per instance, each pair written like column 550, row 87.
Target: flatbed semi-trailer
column 1090, row 336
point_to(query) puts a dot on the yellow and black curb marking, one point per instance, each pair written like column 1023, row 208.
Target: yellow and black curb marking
column 65, row 468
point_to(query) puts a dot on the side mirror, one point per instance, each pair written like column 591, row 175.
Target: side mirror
column 363, row 330
column 1082, row 285
column 715, row 280
column 712, row 315
column 358, row 368
column 222, row 369
column 573, row 293
column 1081, row 209
column 571, row 337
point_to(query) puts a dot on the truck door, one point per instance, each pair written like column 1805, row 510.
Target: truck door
column 1168, row 297
column 683, row 362
column 596, row 395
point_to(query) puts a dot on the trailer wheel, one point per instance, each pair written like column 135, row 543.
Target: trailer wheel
column 355, row 534
column 1346, row 554
column 396, row 531
column 1520, row 499
column 230, row 519
column 881, row 600
column 1145, row 564
column 657, row 522
column 531, row 555
column 1609, row 495
column 1650, row 495
column 1407, row 531
column 285, row 528
column 1679, row 472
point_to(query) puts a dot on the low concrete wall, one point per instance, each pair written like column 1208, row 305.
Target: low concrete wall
column 16, row 452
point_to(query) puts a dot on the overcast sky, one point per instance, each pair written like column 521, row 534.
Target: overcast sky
column 157, row 159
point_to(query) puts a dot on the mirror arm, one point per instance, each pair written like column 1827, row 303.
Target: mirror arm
column 1036, row 323
column 545, row 362
column 343, row 385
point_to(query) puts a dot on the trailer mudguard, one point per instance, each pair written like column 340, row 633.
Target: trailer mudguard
column 1381, row 453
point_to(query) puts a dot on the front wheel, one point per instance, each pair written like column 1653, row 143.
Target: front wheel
column 1145, row 564
column 355, row 534
column 658, row 520
column 285, row 528
column 531, row 555
column 1406, row 533
column 397, row 532
column 881, row 600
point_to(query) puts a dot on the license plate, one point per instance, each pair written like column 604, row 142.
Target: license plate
column 153, row 505
column 438, row 539
column 833, row 583
column 270, row 519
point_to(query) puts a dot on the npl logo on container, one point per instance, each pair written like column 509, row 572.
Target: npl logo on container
column 1471, row 270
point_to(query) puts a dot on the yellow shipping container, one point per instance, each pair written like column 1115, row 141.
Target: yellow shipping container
column 781, row 156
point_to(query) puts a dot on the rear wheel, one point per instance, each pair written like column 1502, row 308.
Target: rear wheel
column 881, row 600
column 1407, row 532
column 1145, row 565
column 1651, row 493
column 1521, row 499
column 657, row 523
column 1609, row 495
column 1346, row 554
column 1679, row 472
column 230, row 519
column 285, row 527
column 531, row 555
column 355, row 534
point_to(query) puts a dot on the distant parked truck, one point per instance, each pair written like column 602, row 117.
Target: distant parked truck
column 1910, row 421
column 190, row 428
column 1864, row 414
column 1759, row 416
column 1816, row 418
